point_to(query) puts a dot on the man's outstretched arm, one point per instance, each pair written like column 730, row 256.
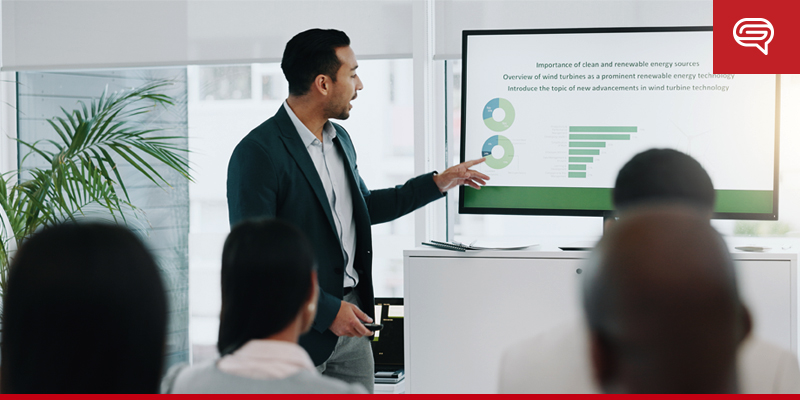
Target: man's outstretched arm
column 388, row 204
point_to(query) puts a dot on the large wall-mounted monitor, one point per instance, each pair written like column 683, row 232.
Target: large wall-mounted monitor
column 557, row 113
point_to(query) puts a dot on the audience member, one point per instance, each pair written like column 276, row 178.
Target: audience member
column 557, row 360
column 269, row 298
column 662, row 305
column 84, row 312
column 663, row 175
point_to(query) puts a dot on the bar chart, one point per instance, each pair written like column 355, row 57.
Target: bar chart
column 585, row 142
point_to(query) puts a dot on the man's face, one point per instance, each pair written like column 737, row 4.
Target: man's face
column 347, row 84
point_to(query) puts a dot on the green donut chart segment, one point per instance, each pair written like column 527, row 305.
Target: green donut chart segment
column 488, row 114
column 508, row 150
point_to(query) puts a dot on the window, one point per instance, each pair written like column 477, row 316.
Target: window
column 225, row 83
column 165, row 231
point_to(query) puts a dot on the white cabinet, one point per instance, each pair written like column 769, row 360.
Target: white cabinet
column 464, row 309
column 769, row 289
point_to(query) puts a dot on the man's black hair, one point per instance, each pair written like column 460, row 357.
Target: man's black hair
column 266, row 279
column 310, row 54
column 663, row 175
column 84, row 312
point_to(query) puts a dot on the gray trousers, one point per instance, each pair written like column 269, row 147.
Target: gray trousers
column 351, row 360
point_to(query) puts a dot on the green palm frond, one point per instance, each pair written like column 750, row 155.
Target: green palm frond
column 82, row 168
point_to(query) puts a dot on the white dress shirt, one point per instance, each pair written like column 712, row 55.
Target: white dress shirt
column 332, row 172
column 266, row 359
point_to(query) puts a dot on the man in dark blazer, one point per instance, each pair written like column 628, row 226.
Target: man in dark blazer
column 300, row 167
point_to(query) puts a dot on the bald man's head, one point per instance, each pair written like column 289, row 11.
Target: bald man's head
column 659, row 175
column 662, row 305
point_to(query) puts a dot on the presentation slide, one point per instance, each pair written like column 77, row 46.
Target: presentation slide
column 557, row 116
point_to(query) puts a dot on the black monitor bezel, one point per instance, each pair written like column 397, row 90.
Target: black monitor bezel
column 773, row 216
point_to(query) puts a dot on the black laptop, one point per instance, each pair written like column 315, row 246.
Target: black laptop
column 387, row 344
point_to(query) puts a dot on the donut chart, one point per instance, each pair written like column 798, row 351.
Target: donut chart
column 508, row 151
column 488, row 114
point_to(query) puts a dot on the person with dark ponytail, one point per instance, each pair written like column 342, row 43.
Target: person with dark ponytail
column 269, row 299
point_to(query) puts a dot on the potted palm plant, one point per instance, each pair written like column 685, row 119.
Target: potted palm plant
column 80, row 175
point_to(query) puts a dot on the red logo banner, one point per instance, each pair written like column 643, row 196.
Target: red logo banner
column 756, row 37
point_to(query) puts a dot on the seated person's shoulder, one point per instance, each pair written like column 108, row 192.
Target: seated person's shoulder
column 330, row 385
column 767, row 368
column 553, row 361
column 204, row 377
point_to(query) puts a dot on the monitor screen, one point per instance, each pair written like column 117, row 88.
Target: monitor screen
column 558, row 112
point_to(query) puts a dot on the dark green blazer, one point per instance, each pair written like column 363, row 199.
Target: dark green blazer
column 270, row 174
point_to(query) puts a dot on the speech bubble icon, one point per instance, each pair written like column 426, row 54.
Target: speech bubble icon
column 754, row 32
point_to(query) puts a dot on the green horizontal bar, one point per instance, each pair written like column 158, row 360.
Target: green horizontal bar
column 749, row 201
column 598, row 136
column 581, row 159
column 577, row 167
column 550, row 198
column 564, row 198
column 587, row 144
column 584, row 152
column 577, row 175
column 603, row 129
